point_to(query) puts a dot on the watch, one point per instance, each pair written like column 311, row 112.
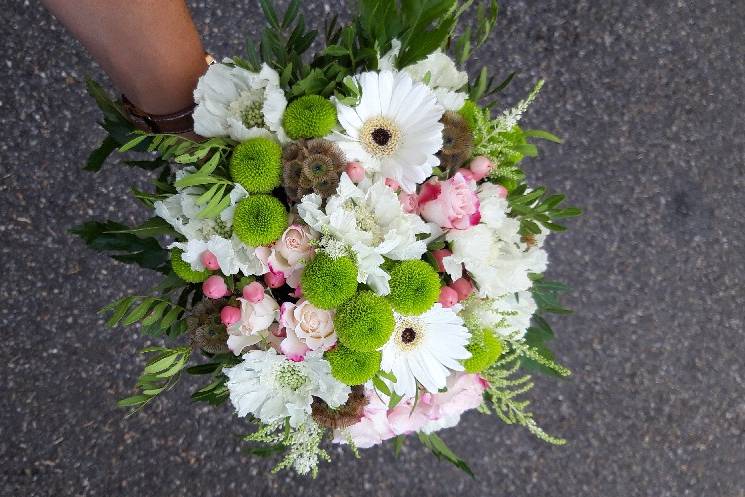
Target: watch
column 180, row 122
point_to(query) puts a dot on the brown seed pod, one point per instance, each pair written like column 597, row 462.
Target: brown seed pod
column 204, row 329
column 312, row 166
column 343, row 416
column 457, row 141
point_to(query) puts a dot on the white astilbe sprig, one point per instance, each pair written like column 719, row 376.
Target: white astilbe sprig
column 302, row 444
column 509, row 118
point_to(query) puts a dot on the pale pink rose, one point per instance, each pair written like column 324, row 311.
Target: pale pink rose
column 256, row 318
column 464, row 392
column 410, row 416
column 312, row 326
column 290, row 252
column 450, row 204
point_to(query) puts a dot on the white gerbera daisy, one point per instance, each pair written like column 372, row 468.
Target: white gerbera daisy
column 232, row 101
column 272, row 387
column 369, row 219
column 425, row 349
column 395, row 130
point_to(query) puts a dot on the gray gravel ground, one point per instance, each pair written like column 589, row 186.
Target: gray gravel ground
column 649, row 96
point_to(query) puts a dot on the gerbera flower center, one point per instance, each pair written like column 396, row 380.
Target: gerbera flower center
column 289, row 376
column 408, row 333
column 380, row 136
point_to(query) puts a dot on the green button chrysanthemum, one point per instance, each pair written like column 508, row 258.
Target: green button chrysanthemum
column 352, row 367
column 311, row 116
column 256, row 165
column 364, row 322
column 485, row 349
column 183, row 269
column 259, row 220
column 328, row 282
column 415, row 287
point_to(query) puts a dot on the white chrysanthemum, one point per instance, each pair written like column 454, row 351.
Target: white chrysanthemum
column 493, row 252
column 425, row 349
column 272, row 387
column 369, row 219
column 395, row 130
column 509, row 315
column 232, row 101
column 437, row 70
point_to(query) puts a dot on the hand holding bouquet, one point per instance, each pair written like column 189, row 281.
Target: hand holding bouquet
column 353, row 250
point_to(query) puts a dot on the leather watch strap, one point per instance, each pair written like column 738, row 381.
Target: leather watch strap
column 175, row 123
column 180, row 122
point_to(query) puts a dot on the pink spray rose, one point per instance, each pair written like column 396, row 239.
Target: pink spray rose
column 289, row 254
column 450, row 204
column 311, row 325
column 256, row 318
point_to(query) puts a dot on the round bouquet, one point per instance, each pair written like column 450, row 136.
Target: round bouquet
column 352, row 252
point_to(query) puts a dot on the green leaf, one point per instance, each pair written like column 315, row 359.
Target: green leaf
column 155, row 314
column 269, row 13
column 154, row 226
column 133, row 400
column 169, row 318
column 132, row 143
column 99, row 155
column 138, row 312
column 545, row 135
column 121, row 308
column 442, row 451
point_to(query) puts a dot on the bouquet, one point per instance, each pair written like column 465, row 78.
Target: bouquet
column 352, row 253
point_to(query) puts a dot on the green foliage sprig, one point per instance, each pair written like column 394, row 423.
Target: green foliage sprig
column 501, row 396
column 160, row 374
column 535, row 207
column 157, row 315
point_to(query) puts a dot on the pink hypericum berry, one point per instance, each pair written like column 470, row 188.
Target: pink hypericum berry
column 214, row 287
column 439, row 255
column 253, row 292
column 480, row 167
column 209, row 260
column 356, row 172
column 230, row 315
column 274, row 280
column 448, row 297
column 501, row 191
column 463, row 287
column 392, row 184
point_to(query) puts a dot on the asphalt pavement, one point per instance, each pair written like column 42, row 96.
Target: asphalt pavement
column 649, row 98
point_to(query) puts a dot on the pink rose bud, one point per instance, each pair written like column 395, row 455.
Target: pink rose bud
column 230, row 315
column 392, row 184
column 274, row 280
column 448, row 297
column 409, row 201
column 297, row 293
column 480, row 167
column 209, row 260
column 463, row 287
column 214, row 287
column 501, row 191
column 439, row 255
column 355, row 171
column 279, row 332
column 253, row 292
